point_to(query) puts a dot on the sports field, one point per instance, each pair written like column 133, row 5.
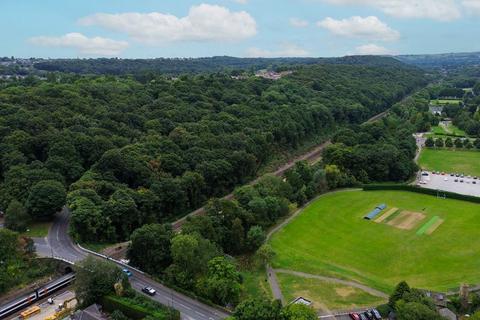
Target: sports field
column 326, row 295
column 431, row 243
column 467, row 162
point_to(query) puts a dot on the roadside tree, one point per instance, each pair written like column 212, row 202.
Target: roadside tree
column 16, row 217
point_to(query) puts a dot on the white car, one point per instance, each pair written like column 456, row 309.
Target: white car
column 445, row 179
column 149, row 290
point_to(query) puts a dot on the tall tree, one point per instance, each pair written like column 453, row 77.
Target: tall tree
column 150, row 248
column 45, row 199
column 16, row 217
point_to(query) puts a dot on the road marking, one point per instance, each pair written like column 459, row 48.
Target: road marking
column 200, row 313
column 183, row 305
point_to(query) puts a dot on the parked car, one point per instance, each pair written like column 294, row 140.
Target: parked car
column 149, row 290
column 456, row 180
column 368, row 315
column 475, row 177
column 376, row 314
column 445, row 179
column 474, row 182
column 127, row 272
column 363, row 316
column 461, row 180
column 354, row 316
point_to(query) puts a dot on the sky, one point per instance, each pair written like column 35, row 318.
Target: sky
column 241, row 28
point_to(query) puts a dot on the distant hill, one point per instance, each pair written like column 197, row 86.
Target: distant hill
column 177, row 66
column 442, row 61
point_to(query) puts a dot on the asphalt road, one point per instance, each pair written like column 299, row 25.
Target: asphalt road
column 58, row 244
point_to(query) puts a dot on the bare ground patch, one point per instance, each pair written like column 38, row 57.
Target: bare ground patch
column 344, row 292
column 386, row 215
column 406, row 220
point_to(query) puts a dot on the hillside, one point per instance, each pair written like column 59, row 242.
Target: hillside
column 443, row 61
column 133, row 153
column 177, row 66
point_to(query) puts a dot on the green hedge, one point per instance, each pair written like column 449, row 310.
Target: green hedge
column 433, row 192
column 133, row 310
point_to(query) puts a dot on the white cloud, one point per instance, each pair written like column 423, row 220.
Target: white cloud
column 442, row 10
column 286, row 50
column 84, row 45
column 372, row 49
column 357, row 27
column 203, row 23
column 472, row 6
column 298, row 23
column 241, row 1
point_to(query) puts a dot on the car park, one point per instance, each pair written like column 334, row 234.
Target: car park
column 149, row 290
column 127, row 272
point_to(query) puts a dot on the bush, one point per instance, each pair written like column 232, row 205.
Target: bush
column 384, row 310
column 139, row 307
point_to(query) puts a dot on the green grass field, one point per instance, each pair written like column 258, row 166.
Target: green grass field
column 325, row 295
column 37, row 230
column 331, row 238
column 467, row 162
column 445, row 101
column 441, row 132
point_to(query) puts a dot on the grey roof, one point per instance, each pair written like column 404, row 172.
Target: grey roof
column 447, row 313
column 92, row 312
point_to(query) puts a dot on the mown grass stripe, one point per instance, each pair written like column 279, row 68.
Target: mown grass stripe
column 427, row 225
column 392, row 216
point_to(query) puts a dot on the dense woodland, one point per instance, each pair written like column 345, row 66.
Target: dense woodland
column 176, row 66
column 131, row 153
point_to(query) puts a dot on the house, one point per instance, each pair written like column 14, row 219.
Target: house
column 436, row 110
